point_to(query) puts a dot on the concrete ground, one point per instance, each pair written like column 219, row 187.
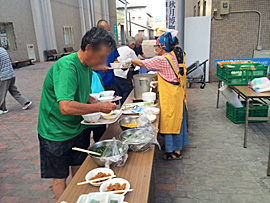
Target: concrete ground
column 216, row 167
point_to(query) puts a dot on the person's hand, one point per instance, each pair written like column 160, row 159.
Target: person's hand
column 107, row 107
column 104, row 69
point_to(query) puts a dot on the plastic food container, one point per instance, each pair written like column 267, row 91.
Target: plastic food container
column 95, row 171
column 149, row 96
column 104, row 185
column 107, row 93
column 92, row 117
column 95, row 95
column 106, row 99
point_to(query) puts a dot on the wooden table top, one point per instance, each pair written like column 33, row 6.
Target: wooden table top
column 250, row 93
column 137, row 171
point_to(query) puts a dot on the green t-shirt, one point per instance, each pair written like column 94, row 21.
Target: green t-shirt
column 68, row 79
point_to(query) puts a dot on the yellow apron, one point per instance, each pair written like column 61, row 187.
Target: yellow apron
column 171, row 104
column 183, row 77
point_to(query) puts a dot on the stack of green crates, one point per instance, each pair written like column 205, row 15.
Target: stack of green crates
column 238, row 115
column 241, row 74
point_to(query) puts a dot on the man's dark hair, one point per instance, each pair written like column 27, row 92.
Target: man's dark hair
column 100, row 21
column 97, row 37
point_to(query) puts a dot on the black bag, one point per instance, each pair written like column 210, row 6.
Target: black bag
column 180, row 58
column 179, row 54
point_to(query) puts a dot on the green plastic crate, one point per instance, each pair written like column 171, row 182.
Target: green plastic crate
column 219, row 73
column 238, row 115
column 241, row 74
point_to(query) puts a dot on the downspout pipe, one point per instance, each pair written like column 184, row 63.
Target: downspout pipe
column 93, row 16
column 259, row 47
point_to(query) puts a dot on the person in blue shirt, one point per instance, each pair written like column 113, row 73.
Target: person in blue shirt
column 108, row 78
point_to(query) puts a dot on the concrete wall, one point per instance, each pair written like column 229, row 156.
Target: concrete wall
column 64, row 13
column 70, row 16
column 12, row 11
column 236, row 36
column 189, row 8
column 112, row 12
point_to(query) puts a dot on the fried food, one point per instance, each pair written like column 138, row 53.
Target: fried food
column 130, row 125
column 116, row 186
column 100, row 175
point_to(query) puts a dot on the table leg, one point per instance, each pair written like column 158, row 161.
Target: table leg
column 268, row 168
column 219, row 84
column 246, row 123
column 151, row 196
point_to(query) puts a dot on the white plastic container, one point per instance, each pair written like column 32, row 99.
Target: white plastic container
column 95, row 171
column 149, row 96
column 230, row 96
column 92, row 117
column 99, row 197
column 108, row 93
column 105, row 184
column 95, row 95
column 106, row 99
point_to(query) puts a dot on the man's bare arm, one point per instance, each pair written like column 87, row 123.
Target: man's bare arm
column 77, row 108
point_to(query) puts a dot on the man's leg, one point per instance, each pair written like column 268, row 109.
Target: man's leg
column 16, row 94
column 59, row 185
column 54, row 163
column 4, row 85
column 77, row 158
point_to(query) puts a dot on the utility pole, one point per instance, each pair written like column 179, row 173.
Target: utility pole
column 126, row 18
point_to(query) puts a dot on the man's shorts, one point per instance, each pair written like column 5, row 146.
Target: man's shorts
column 56, row 157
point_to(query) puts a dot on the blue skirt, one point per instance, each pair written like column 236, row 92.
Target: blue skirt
column 177, row 141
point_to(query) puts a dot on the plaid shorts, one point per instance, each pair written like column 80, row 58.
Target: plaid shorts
column 56, row 157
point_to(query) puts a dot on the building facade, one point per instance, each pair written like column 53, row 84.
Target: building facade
column 49, row 24
column 235, row 35
column 139, row 21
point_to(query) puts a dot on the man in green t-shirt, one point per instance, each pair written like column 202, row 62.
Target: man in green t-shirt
column 65, row 97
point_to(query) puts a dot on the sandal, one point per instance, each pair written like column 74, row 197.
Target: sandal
column 179, row 156
column 168, row 156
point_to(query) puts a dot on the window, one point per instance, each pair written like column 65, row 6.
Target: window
column 141, row 32
column 7, row 36
column 139, row 18
column 204, row 8
column 194, row 12
column 133, row 18
column 68, row 34
column 199, row 8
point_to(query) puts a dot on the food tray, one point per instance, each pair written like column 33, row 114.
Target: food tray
column 102, row 121
column 127, row 111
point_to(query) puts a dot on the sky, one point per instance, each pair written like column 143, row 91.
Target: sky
column 154, row 7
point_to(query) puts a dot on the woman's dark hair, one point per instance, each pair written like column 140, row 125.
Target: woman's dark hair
column 97, row 37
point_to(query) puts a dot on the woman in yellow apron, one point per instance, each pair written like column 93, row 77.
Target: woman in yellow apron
column 171, row 95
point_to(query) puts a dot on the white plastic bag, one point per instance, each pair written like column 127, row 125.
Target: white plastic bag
column 230, row 96
column 113, row 154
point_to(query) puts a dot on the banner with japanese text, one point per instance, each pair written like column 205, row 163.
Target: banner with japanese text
column 171, row 14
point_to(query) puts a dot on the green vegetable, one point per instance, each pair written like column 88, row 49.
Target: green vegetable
column 126, row 136
column 95, row 201
column 99, row 150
